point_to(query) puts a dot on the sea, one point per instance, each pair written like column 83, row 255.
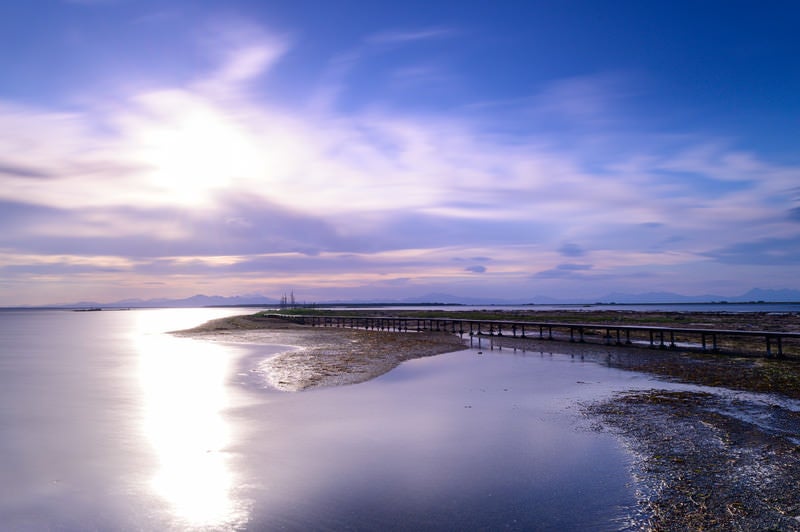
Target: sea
column 107, row 422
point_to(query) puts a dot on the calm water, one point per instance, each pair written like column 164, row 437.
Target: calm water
column 107, row 423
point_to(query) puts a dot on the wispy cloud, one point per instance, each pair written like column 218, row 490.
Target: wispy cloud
column 244, row 52
column 571, row 250
column 20, row 171
column 340, row 68
column 589, row 100
column 92, row 2
column 411, row 35
column 563, row 271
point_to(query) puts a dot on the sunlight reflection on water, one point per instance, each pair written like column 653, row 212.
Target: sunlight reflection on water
column 184, row 395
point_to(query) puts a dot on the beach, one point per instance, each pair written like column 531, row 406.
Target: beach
column 723, row 456
column 319, row 357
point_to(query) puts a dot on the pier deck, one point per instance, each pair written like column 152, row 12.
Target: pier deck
column 758, row 343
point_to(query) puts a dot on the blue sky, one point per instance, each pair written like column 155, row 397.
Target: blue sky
column 377, row 150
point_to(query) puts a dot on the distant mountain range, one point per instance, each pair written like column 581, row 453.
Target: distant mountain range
column 754, row 295
column 200, row 300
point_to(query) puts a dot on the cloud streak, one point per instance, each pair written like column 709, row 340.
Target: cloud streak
column 410, row 36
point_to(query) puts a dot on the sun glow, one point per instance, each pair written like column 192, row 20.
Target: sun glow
column 184, row 395
column 195, row 150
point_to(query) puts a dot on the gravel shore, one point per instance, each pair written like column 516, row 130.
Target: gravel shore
column 706, row 461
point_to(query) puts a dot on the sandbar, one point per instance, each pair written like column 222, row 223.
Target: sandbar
column 319, row 357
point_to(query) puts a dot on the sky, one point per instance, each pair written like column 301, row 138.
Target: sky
column 376, row 150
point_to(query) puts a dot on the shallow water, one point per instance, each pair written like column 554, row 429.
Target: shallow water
column 107, row 423
column 457, row 441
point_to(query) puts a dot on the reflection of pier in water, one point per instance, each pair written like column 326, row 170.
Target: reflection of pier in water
column 760, row 343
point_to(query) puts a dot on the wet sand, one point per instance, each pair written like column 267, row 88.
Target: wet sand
column 709, row 461
column 317, row 357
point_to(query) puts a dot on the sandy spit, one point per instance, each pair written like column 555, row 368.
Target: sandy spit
column 317, row 357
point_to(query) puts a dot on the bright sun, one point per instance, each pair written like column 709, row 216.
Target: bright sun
column 197, row 154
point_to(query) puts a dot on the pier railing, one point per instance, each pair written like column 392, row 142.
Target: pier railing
column 760, row 343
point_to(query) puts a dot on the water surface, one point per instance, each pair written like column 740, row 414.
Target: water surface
column 107, row 423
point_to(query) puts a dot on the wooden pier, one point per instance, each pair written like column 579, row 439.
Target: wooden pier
column 708, row 340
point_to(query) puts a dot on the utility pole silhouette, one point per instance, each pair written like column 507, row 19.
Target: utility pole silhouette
column 288, row 301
